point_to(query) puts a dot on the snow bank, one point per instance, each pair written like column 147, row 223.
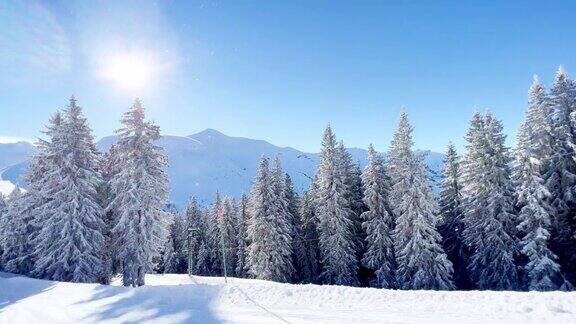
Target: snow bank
column 177, row 298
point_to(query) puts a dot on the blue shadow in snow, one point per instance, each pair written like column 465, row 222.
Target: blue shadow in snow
column 184, row 303
column 14, row 288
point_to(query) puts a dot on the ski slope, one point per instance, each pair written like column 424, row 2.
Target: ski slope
column 180, row 299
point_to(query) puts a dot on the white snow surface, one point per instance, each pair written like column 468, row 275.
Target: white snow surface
column 181, row 299
column 6, row 187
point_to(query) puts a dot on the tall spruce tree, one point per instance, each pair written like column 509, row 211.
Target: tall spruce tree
column 284, row 216
column 489, row 221
column 175, row 249
column 422, row 263
column 28, row 215
column 194, row 232
column 336, row 221
column 3, row 226
column 472, row 167
column 213, row 236
column 561, row 174
column 378, row 223
column 40, row 177
column 203, row 259
column 270, row 249
column 228, row 228
column 298, row 248
column 242, row 244
column 109, row 168
column 532, row 155
column 70, row 241
column 169, row 258
column 140, row 193
column 310, row 268
column 452, row 222
column 352, row 178
column 12, row 234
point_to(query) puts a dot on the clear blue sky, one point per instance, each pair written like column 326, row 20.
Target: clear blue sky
column 281, row 70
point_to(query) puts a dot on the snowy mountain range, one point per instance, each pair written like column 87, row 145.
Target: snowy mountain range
column 208, row 162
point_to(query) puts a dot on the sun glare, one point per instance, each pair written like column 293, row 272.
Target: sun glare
column 129, row 71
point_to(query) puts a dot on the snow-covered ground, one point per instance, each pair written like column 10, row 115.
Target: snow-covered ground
column 178, row 298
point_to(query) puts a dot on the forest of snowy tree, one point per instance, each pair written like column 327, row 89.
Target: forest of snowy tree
column 503, row 220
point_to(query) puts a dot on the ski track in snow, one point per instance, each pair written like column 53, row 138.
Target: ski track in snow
column 180, row 299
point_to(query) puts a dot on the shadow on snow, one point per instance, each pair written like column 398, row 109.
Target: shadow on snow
column 189, row 303
column 14, row 288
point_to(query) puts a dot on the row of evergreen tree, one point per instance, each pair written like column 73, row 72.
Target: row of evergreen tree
column 86, row 216
column 504, row 220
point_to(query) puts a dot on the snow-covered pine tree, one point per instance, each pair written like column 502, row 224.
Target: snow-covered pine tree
column 358, row 192
column 269, row 252
column 193, row 216
column 29, row 214
column 310, row 269
column 378, row 223
column 70, row 241
column 40, row 176
column 3, row 205
column 203, row 259
column 452, row 222
column 261, row 205
column 399, row 156
column 298, row 247
column 213, row 239
column 539, row 117
column 336, row 224
column 241, row 251
column 175, row 251
column 108, row 168
column 472, row 167
column 532, row 153
column 353, row 180
column 26, row 216
column 169, row 260
column 193, row 228
column 181, row 241
column 352, row 177
column 421, row 261
column 3, row 225
column 489, row 222
column 283, row 218
column 140, row 193
column 560, row 175
column 11, row 232
column 227, row 220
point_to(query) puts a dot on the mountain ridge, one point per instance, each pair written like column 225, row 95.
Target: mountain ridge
column 209, row 161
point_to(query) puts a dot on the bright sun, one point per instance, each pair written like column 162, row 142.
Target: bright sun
column 129, row 71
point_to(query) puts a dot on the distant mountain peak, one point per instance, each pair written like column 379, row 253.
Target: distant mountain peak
column 209, row 132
